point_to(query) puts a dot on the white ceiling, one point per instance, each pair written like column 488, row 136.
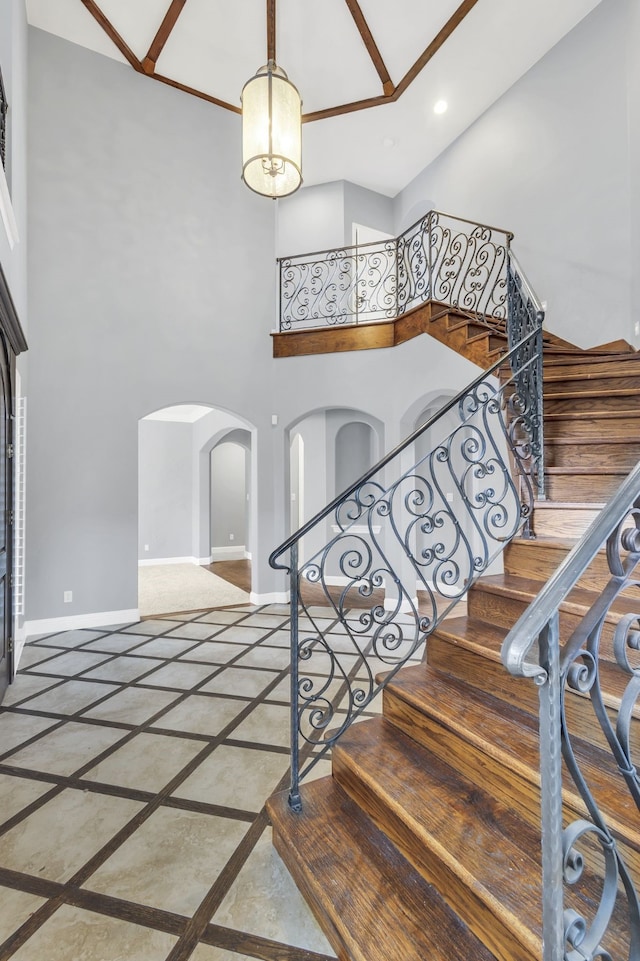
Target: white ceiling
column 217, row 45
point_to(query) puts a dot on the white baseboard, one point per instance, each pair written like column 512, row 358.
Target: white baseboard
column 235, row 553
column 248, row 556
column 148, row 561
column 277, row 597
column 74, row 622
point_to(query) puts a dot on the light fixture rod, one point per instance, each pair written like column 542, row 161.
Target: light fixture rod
column 271, row 30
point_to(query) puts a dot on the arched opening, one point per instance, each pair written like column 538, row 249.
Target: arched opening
column 296, row 482
column 230, row 497
column 354, row 453
column 193, row 482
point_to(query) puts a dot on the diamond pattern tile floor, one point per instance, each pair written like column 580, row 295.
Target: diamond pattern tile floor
column 134, row 768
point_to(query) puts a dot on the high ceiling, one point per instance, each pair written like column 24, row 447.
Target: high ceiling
column 369, row 71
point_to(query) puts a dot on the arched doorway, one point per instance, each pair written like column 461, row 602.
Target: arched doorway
column 177, row 510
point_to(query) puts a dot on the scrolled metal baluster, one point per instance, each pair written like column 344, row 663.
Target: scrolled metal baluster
column 625, row 538
column 357, row 504
column 584, row 939
column 413, row 521
column 295, row 801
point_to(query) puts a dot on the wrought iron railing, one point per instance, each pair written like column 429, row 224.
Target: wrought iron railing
column 588, row 664
column 435, row 526
column 4, row 108
column 441, row 258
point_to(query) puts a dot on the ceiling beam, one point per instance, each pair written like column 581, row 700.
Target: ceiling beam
column 372, row 47
column 452, row 23
column 391, row 94
column 113, row 34
column 271, row 30
column 163, row 34
column 197, row 93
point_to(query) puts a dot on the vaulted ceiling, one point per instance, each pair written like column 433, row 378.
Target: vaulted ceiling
column 370, row 71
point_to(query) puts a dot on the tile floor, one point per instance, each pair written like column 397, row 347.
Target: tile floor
column 134, row 767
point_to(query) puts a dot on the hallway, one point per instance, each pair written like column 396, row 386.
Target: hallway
column 134, row 767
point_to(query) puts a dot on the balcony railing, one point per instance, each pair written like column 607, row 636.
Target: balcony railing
column 440, row 258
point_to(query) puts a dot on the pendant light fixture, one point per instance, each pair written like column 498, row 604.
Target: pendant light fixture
column 271, row 126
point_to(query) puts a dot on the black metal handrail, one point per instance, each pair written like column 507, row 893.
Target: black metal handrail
column 443, row 258
column 4, row 109
column 533, row 649
column 436, row 526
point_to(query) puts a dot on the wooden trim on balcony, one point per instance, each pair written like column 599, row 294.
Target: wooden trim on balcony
column 331, row 340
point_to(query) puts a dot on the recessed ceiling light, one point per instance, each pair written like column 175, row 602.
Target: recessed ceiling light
column 440, row 106
column 388, row 142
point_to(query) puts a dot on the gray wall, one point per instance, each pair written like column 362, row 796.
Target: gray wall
column 228, row 496
column 354, row 453
column 550, row 161
column 143, row 238
column 368, row 208
column 320, row 218
column 165, row 489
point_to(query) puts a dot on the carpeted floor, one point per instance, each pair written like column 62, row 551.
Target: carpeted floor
column 168, row 588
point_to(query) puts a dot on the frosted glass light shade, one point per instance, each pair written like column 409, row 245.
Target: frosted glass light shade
column 271, row 133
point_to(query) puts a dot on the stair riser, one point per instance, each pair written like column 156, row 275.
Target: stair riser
column 518, row 789
column 561, row 522
column 480, row 672
column 488, row 925
column 590, row 402
column 540, row 561
column 593, row 391
column 505, row 611
column 583, row 455
column 586, row 488
column 476, row 351
column 491, row 676
column 588, row 378
column 623, row 427
column 288, row 855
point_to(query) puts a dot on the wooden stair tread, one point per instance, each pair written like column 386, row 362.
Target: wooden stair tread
column 475, row 635
column 590, row 357
column 420, row 801
column 463, row 714
column 568, row 394
column 593, row 440
column 592, row 414
column 579, row 601
column 484, row 640
column 599, row 471
column 568, row 505
column 566, row 543
column 360, row 886
column 587, row 372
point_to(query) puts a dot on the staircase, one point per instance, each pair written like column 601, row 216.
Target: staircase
column 425, row 841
